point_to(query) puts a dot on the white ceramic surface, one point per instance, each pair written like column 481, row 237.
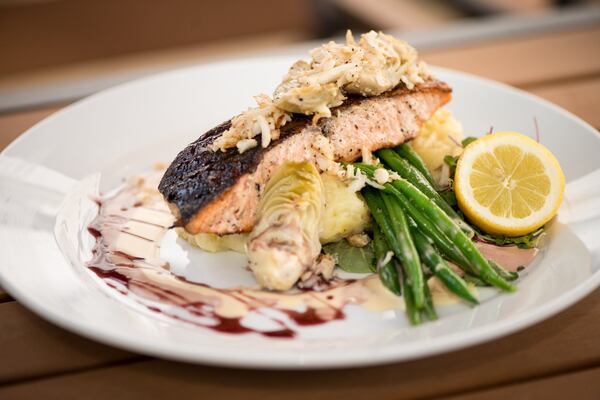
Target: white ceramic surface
column 124, row 130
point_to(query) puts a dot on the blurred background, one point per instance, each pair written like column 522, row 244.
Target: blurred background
column 59, row 50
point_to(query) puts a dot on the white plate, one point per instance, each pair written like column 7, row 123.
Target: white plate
column 126, row 129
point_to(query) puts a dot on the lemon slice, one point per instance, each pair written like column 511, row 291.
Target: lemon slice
column 508, row 184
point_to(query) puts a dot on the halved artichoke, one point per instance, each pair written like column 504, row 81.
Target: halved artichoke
column 285, row 240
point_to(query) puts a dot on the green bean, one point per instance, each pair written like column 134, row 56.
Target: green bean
column 377, row 209
column 477, row 262
column 387, row 272
column 395, row 230
column 414, row 316
column 444, row 223
column 406, row 252
column 438, row 266
column 375, row 204
column 428, row 227
column 429, row 308
column 408, row 153
column 508, row 275
column 470, row 278
column 430, row 230
column 416, row 178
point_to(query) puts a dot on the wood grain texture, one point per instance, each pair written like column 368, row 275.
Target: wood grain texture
column 404, row 14
column 565, row 342
column 48, row 33
column 525, row 61
column 32, row 347
column 580, row 97
column 4, row 297
column 580, row 385
column 140, row 62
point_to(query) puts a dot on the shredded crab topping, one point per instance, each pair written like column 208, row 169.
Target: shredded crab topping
column 264, row 120
column 369, row 67
column 324, row 154
column 246, row 144
column 384, row 260
column 358, row 239
column 357, row 180
column 367, row 156
column 381, row 175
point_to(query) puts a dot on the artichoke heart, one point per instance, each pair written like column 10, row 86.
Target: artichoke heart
column 312, row 99
column 285, row 240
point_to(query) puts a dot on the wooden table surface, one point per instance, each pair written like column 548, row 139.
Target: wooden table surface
column 557, row 358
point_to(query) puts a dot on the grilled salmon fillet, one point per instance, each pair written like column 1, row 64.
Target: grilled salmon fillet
column 218, row 192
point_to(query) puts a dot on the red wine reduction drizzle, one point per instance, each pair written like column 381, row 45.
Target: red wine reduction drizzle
column 114, row 268
column 311, row 317
column 201, row 309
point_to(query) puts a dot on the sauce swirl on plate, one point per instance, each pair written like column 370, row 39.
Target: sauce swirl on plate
column 128, row 231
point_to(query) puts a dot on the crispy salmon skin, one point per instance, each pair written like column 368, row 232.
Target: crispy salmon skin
column 218, row 192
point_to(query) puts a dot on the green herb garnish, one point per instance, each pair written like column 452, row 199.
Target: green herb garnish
column 528, row 241
column 451, row 161
column 350, row 258
column 468, row 140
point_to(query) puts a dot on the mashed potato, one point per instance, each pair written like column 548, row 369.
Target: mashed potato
column 215, row 243
column 345, row 211
column 439, row 137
